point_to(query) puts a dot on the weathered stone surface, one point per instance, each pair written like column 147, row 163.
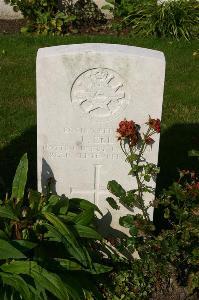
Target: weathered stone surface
column 7, row 12
column 83, row 92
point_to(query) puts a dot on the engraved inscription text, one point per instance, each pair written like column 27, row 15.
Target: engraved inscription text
column 99, row 92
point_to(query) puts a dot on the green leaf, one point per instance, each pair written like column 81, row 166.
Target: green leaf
column 18, row 283
column 68, row 218
column 47, row 280
column 86, row 217
column 132, row 157
column 193, row 153
column 87, row 232
column 126, row 221
column 133, row 231
column 73, row 266
column 112, row 203
column 24, row 29
column 52, row 202
column 107, row 7
column 9, row 251
column 34, row 200
column 20, row 179
column 69, row 264
column 7, row 212
column 116, row 189
column 147, row 177
column 61, row 231
column 82, row 204
column 112, row 2
column 166, row 213
column 57, row 204
column 100, row 269
column 23, row 245
column 61, row 227
column 51, row 282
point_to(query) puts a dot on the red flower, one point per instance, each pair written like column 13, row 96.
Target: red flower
column 154, row 124
column 128, row 130
column 195, row 186
column 148, row 140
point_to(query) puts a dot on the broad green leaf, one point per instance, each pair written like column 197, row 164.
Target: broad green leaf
column 68, row 218
column 34, row 200
column 37, row 294
column 23, row 245
column 51, row 282
column 20, row 179
column 82, row 204
column 66, row 236
column 19, row 267
column 57, row 205
column 45, row 279
column 52, row 201
column 116, row 189
column 69, row 264
column 73, row 266
column 61, row 227
column 100, row 269
column 87, row 232
column 112, row 203
column 86, row 217
column 7, row 212
column 75, row 252
column 9, row 251
column 18, row 283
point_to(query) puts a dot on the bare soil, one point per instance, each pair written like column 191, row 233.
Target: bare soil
column 11, row 26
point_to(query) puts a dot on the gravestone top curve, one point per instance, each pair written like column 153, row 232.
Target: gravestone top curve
column 98, row 47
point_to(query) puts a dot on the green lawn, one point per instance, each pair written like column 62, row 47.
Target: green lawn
column 180, row 122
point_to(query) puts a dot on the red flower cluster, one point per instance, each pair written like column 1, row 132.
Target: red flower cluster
column 154, row 124
column 194, row 186
column 128, row 130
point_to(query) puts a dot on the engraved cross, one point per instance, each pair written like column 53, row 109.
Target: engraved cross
column 96, row 191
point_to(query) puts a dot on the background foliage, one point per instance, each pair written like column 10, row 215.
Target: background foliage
column 174, row 18
column 58, row 17
column 46, row 245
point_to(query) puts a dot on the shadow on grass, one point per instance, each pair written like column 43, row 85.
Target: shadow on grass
column 175, row 143
column 10, row 157
column 173, row 152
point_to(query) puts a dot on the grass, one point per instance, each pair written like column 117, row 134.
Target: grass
column 180, row 120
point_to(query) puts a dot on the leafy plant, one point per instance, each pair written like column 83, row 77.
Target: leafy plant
column 133, row 146
column 162, row 256
column 46, row 244
column 180, row 205
column 175, row 18
column 48, row 16
column 86, row 12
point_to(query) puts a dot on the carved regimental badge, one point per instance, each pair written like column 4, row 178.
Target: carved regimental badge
column 99, row 92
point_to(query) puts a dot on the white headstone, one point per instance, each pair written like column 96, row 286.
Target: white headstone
column 7, row 12
column 83, row 92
